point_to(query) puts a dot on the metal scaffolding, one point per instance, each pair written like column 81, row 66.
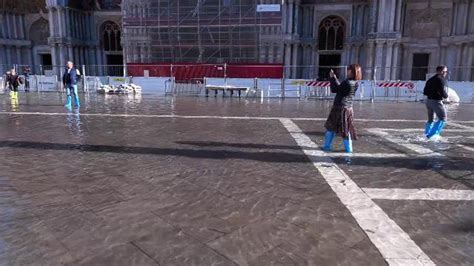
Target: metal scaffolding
column 201, row 31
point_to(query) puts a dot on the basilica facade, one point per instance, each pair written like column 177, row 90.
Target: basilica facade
column 391, row 39
column 44, row 34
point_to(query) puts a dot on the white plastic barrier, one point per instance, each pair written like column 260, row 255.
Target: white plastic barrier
column 115, row 81
column 464, row 89
column 154, row 85
column 244, row 82
column 44, row 83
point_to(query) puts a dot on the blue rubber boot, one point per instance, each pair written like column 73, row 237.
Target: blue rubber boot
column 76, row 100
column 436, row 129
column 68, row 101
column 328, row 138
column 348, row 144
column 428, row 127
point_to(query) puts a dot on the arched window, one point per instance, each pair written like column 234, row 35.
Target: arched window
column 331, row 34
column 39, row 31
column 111, row 37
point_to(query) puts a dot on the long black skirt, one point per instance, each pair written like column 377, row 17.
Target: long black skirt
column 341, row 121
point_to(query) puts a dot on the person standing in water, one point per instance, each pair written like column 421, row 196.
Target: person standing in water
column 436, row 90
column 26, row 73
column 341, row 118
column 70, row 79
column 13, row 81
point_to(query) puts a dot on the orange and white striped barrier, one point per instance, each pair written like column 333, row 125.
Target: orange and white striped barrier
column 318, row 83
column 395, row 84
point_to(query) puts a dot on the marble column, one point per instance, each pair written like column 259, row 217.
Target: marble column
column 8, row 57
column 357, row 54
column 62, row 50
column 15, row 26
column 388, row 61
column 379, row 58
column 54, row 59
column 395, row 64
column 458, row 64
column 2, row 26
column 380, row 15
column 467, row 63
column 64, row 22
column 398, row 17
column 70, row 54
column 51, row 22
column 393, row 6
column 289, row 29
column 22, row 26
column 471, row 63
column 294, row 60
column 18, row 55
column 287, row 60
column 370, row 59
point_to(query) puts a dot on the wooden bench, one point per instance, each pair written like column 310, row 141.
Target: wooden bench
column 224, row 89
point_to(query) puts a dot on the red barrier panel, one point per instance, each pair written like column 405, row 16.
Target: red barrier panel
column 192, row 72
column 137, row 70
column 255, row 71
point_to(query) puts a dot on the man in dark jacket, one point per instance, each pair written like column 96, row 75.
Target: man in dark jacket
column 70, row 79
column 26, row 73
column 436, row 90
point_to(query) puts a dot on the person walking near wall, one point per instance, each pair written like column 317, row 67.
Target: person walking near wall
column 436, row 90
column 70, row 79
column 341, row 117
column 26, row 73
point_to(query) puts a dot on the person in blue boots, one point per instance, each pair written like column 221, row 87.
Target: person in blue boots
column 70, row 79
column 436, row 90
column 13, row 81
column 341, row 118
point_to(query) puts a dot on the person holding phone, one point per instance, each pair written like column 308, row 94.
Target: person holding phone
column 70, row 79
column 341, row 118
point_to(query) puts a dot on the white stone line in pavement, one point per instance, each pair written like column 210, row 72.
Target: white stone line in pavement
column 366, row 155
column 465, row 147
column 419, row 194
column 421, row 130
column 394, row 244
column 414, row 147
column 210, row 116
column 454, row 124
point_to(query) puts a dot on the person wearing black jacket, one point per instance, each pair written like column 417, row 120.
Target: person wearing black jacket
column 26, row 73
column 436, row 90
column 70, row 79
column 13, row 81
column 341, row 117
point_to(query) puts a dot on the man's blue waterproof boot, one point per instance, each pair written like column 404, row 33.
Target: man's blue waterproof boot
column 68, row 101
column 428, row 127
column 348, row 144
column 328, row 138
column 76, row 99
column 436, row 129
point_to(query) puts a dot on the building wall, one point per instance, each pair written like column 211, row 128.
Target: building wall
column 55, row 28
column 381, row 35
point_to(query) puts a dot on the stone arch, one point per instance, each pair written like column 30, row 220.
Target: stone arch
column 331, row 33
column 111, row 34
column 39, row 31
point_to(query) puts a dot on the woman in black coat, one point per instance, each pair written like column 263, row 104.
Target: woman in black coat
column 341, row 117
column 13, row 81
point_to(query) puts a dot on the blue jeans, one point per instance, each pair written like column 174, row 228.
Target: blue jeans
column 71, row 89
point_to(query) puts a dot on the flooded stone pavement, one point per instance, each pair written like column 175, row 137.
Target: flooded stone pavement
column 210, row 181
